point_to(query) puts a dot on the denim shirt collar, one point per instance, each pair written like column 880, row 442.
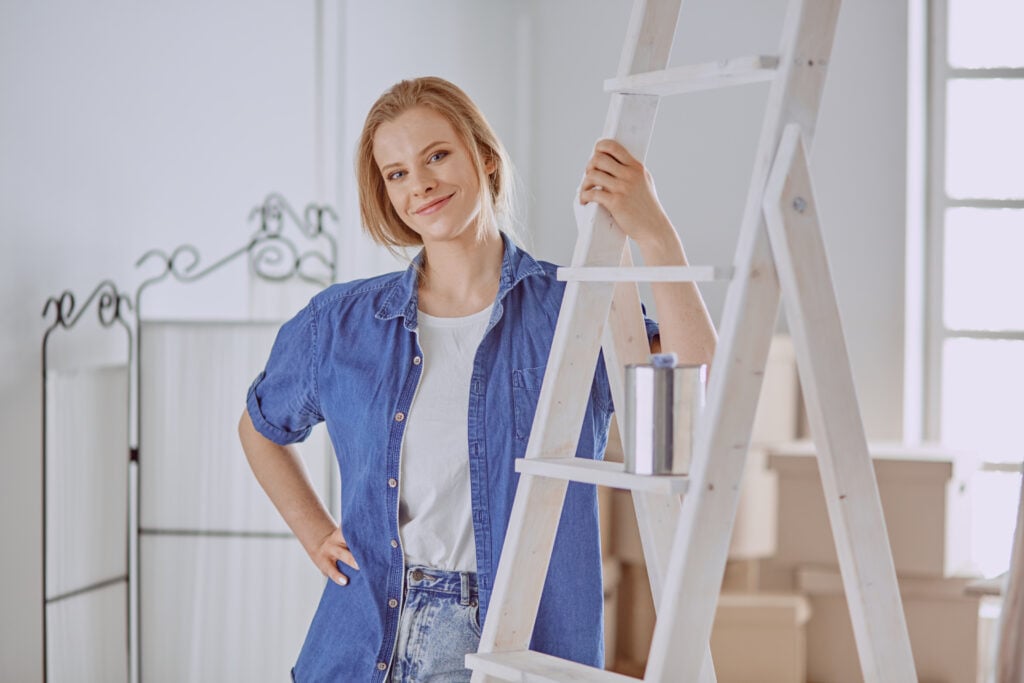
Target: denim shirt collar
column 516, row 264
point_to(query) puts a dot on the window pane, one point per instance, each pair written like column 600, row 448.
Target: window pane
column 986, row 33
column 985, row 139
column 983, row 281
column 983, row 396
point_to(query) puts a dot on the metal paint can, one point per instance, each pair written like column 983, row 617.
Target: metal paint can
column 663, row 405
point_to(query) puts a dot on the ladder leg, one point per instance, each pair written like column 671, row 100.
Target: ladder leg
column 526, row 552
column 657, row 515
column 848, row 477
column 1010, row 661
column 701, row 544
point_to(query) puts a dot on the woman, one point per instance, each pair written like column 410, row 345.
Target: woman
column 428, row 381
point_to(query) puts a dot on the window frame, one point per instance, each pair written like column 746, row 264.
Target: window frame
column 924, row 421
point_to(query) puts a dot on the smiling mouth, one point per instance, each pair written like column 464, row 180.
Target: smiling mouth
column 434, row 206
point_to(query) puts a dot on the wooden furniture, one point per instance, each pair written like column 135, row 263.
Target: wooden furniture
column 780, row 254
column 1010, row 658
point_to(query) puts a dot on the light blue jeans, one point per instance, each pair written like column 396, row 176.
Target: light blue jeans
column 439, row 626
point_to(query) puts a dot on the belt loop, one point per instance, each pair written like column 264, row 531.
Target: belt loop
column 464, row 588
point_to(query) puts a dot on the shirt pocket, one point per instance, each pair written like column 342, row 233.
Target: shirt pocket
column 526, row 383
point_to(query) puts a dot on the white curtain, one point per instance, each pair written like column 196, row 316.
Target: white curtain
column 226, row 592
column 87, row 525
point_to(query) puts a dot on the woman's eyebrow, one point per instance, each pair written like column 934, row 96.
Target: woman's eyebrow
column 422, row 152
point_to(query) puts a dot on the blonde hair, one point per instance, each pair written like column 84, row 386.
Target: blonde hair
column 379, row 217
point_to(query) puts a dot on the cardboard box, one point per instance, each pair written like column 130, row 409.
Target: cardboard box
column 942, row 621
column 922, row 503
column 755, row 637
column 777, row 417
column 611, row 572
column 636, row 619
column 760, row 637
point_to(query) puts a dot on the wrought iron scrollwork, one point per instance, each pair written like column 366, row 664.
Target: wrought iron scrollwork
column 271, row 255
column 109, row 306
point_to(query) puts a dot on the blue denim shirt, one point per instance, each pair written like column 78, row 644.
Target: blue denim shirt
column 351, row 359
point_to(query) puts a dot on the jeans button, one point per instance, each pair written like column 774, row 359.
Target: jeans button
column 381, row 666
column 417, row 575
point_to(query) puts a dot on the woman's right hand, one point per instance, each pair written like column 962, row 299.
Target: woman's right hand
column 327, row 553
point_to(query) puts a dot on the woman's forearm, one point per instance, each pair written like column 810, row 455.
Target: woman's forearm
column 283, row 475
column 685, row 325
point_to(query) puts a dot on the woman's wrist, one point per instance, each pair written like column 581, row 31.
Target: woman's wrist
column 662, row 247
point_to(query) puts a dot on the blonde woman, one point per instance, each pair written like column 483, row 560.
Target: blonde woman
column 428, row 381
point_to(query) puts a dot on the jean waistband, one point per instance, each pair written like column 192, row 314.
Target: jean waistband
column 462, row 584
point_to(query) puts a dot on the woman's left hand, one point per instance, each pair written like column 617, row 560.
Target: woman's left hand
column 621, row 184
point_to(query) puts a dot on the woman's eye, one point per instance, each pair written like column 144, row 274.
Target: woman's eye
column 437, row 156
column 396, row 175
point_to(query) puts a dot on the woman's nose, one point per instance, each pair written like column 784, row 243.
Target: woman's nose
column 423, row 181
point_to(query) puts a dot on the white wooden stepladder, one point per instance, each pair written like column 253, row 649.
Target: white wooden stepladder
column 780, row 254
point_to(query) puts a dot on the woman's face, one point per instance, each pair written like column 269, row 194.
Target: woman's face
column 429, row 176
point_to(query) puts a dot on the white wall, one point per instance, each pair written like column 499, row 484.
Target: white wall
column 127, row 126
column 704, row 144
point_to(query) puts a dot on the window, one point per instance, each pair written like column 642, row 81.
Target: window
column 973, row 243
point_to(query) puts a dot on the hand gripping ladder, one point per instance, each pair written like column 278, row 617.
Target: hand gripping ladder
column 780, row 254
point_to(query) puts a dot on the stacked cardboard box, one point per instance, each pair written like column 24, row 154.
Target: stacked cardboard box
column 923, row 503
column 782, row 614
column 755, row 637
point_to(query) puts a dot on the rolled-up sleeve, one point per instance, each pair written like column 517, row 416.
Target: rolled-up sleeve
column 283, row 400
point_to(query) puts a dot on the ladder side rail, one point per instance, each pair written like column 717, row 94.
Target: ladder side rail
column 626, row 344
column 709, row 509
column 848, row 478
column 533, row 523
column 701, row 544
column 657, row 514
column 649, row 34
column 1010, row 648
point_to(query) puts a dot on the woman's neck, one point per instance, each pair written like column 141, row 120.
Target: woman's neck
column 461, row 278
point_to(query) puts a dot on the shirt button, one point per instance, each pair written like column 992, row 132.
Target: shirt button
column 381, row 666
column 392, row 482
column 399, row 417
column 392, row 603
column 417, row 360
column 394, row 543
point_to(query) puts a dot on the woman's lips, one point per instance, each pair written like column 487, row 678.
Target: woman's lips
column 433, row 207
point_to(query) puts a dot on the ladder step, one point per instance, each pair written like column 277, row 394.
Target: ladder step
column 646, row 274
column 527, row 666
column 695, row 77
column 612, row 474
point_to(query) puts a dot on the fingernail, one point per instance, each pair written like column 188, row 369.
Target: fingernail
column 342, row 581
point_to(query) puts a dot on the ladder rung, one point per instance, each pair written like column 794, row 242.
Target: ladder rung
column 694, row 77
column 610, row 474
column 534, row 667
column 646, row 273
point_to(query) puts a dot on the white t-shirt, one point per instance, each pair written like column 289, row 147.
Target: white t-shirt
column 435, row 514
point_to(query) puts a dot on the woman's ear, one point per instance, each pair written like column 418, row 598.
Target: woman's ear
column 490, row 165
